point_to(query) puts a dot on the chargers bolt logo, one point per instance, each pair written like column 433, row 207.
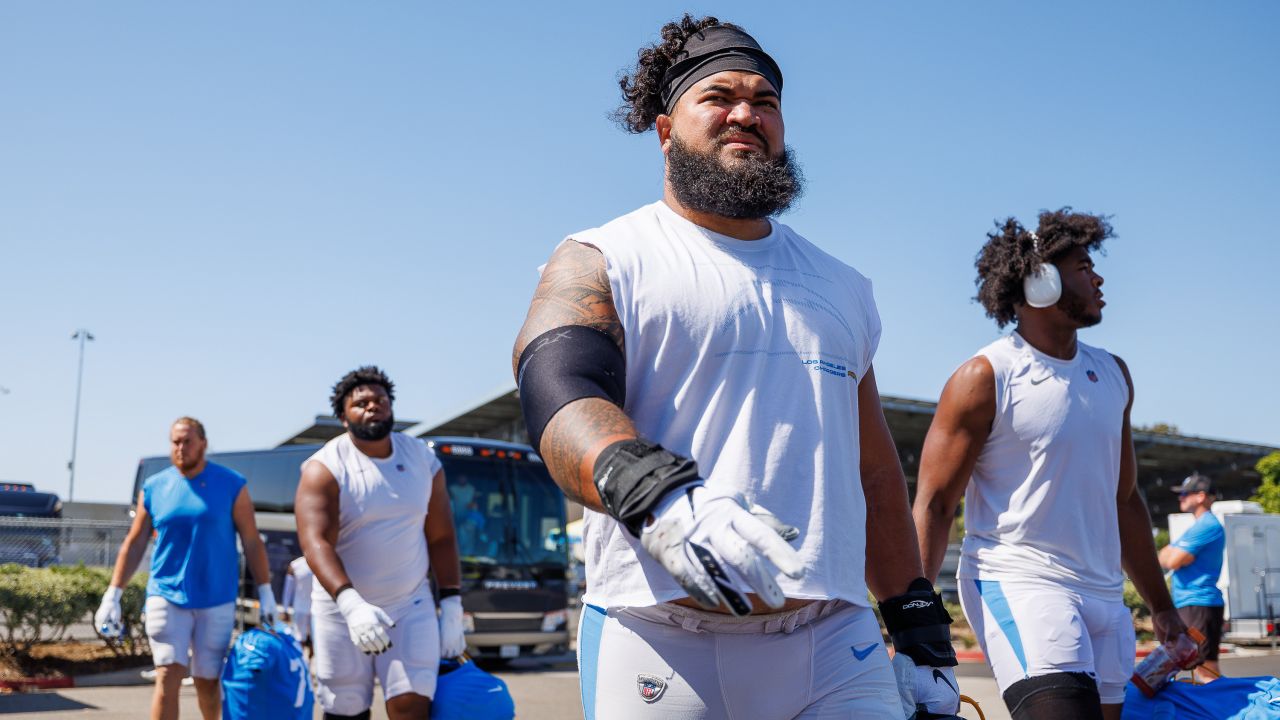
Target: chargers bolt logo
column 1093, row 376
column 651, row 687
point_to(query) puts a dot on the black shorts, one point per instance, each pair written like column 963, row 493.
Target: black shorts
column 1207, row 620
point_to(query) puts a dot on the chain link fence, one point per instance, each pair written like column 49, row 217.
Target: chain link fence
column 41, row 542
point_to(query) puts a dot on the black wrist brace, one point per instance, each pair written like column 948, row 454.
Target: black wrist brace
column 632, row 475
column 919, row 625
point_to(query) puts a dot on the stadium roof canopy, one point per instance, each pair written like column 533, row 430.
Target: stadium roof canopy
column 1164, row 459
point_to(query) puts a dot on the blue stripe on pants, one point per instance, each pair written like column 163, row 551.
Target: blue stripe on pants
column 589, row 633
column 998, row 604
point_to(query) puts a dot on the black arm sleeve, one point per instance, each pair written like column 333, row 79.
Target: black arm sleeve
column 567, row 363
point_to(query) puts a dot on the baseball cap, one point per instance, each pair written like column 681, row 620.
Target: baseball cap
column 1194, row 483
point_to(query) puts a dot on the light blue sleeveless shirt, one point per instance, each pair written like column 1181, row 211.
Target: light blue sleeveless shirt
column 194, row 563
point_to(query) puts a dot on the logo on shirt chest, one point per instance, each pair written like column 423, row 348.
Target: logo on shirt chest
column 1093, row 376
column 830, row 368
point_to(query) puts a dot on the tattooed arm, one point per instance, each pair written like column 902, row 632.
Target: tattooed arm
column 574, row 290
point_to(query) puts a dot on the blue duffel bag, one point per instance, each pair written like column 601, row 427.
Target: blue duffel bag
column 266, row 678
column 465, row 692
column 1228, row 698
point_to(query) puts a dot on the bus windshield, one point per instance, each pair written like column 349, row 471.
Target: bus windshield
column 505, row 512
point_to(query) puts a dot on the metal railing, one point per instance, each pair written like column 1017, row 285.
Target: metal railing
column 40, row 542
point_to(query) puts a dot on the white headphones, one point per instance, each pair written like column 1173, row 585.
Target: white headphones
column 1043, row 287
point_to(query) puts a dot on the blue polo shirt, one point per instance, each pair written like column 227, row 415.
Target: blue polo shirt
column 1197, row 583
column 195, row 563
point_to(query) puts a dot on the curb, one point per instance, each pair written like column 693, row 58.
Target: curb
column 29, row 684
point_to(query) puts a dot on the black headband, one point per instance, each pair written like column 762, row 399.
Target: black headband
column 712, row 50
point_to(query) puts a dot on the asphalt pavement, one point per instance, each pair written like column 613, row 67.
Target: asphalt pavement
column 542, row 690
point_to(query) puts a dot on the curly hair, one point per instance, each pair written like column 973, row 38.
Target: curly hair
column 642, row 88
column 364, row 375
column 1013, row 253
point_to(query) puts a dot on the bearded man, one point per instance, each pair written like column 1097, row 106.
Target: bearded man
column 694, row 362
column 373, row 518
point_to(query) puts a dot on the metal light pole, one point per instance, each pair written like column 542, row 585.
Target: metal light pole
column 82, row 335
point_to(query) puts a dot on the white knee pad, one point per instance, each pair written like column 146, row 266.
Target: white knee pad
column 169, row 630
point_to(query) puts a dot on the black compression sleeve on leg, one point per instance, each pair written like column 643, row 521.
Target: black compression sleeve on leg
column 358, row 716
column 1058, row 696
column 918, row 624
column 632, row 475
column 568, row 363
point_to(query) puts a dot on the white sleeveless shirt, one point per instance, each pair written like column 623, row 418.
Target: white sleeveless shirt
column 382, row 508
column 745, row 356
column 1041, row 504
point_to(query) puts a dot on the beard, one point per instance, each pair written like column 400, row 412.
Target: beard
column 750, row 188
column 189, row 462
column 372, row 431
column 1077, row 309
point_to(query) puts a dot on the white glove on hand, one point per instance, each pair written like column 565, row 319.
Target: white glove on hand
column 453, row 639
column 268, row 612
column 107, row 620
column 366, row 624
column 713, row 546
column 931, row 689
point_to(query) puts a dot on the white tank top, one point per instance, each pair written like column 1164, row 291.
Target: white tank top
column 382, row 508
column 1041, row 504
column 745, row 356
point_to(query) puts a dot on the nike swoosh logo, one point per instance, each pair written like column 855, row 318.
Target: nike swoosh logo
column 864, row 652
column 1037, row 382
column 937, row 675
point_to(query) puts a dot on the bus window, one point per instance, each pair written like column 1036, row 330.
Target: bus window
column 505, row 513
column 273, row 479
column 479, row 504
column 539, row 517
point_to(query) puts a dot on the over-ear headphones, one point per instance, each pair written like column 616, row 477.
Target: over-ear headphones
column 1043, row 287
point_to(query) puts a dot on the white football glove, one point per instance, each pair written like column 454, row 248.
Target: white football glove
column 922, row 688
column 714, row 546
column 366, row 623
column 268, row 612
column 107, row 620
column 453, row 639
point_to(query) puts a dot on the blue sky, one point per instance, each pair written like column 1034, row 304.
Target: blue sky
column 243, row 201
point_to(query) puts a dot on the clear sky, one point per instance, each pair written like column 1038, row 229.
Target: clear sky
column 245, row 200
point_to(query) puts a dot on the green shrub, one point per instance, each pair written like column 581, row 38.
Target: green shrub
column 1134, row 601
column 37, row 605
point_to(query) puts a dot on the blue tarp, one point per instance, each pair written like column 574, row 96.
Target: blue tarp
column 1228, row 698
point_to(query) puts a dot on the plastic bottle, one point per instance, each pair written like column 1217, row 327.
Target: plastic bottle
column 1165, row 660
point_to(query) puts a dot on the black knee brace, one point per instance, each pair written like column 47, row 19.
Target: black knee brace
column 1058, row 696
column 358, row 716
column 568, row 363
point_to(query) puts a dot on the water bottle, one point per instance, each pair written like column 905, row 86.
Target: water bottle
column 1165, row 660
